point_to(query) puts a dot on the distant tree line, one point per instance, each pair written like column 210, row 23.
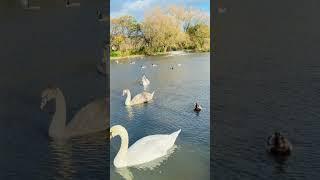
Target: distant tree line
column 162, row 30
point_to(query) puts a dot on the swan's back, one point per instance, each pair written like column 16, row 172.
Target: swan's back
column 150, row 148
column 91, row 118
column 142, row 98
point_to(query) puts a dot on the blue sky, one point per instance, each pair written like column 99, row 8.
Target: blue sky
column 138, row 7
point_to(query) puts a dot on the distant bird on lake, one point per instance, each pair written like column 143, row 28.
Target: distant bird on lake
column 197, row 107
column 154, row 65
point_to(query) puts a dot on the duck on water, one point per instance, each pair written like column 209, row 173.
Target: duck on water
column 277, row 144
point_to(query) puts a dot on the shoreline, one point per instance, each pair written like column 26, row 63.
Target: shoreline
column 158, row 54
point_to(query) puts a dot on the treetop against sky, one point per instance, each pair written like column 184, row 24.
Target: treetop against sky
column 137, row 8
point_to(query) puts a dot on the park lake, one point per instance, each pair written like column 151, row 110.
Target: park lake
column 176, row 91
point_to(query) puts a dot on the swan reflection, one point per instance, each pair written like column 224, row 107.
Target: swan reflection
column 126, row 173
column 130, row 112
column 62, row 157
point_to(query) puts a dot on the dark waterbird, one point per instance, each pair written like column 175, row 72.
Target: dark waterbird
column 277, row 144
column 197, row 107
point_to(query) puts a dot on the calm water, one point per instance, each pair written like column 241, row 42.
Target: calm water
column 58, row 46
column 171, row 109
column 267, row 78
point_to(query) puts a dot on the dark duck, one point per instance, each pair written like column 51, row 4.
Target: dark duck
column 197, row 108
column 277, row 144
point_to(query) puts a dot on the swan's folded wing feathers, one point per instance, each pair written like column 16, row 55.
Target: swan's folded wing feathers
column 91, row 117
column 149, row 148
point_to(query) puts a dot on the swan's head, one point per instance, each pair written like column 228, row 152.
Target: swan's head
column 125, row 91
column 117, row 130
column 47, row 95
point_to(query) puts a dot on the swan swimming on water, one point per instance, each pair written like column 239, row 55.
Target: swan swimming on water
column 91, row 118
column 145, row 82
column 143, row 97
column 142, row 151
column 197, row 107
column 143, row 66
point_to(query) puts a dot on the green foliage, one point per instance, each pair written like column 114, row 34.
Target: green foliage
column 174, row 28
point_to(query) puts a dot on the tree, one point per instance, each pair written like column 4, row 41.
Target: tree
column 200, row 36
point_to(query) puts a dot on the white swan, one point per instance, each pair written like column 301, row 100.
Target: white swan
column 143, row 67
column 133, row 62
column 142, row 151
column 91, row 118
column 179, row 65
column 143, row 97
column 154, row 65
column 145, row 81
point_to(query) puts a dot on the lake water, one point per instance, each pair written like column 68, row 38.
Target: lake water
column 59, row 46
column 176, row 91
column 266, row 78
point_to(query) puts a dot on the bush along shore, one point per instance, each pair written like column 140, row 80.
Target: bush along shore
column 162, row 31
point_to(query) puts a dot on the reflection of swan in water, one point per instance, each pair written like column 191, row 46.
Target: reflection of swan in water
column 26, row 4
column 62, row 156
column 143, row 97
column 91, row 118
column 144, row 150
column 130, row 112
column 70, row 4
column 127, row 174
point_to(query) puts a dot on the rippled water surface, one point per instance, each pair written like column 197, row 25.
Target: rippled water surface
column 176, row 91
column 58, row 46
column 266, row 78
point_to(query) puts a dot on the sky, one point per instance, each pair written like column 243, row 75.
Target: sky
column 137, row 8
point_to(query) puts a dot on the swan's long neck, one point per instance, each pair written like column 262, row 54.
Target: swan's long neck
column 120, row 159
column 58, row 123
column 128, row 99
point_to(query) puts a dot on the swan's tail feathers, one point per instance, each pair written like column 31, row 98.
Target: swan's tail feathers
column 152, row 93
column 175, row 134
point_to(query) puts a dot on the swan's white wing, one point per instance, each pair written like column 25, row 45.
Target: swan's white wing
column 149, row 148
column 141, row 98
column 91, row 118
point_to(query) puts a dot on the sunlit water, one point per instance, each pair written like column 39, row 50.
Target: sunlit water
column 176, row 91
